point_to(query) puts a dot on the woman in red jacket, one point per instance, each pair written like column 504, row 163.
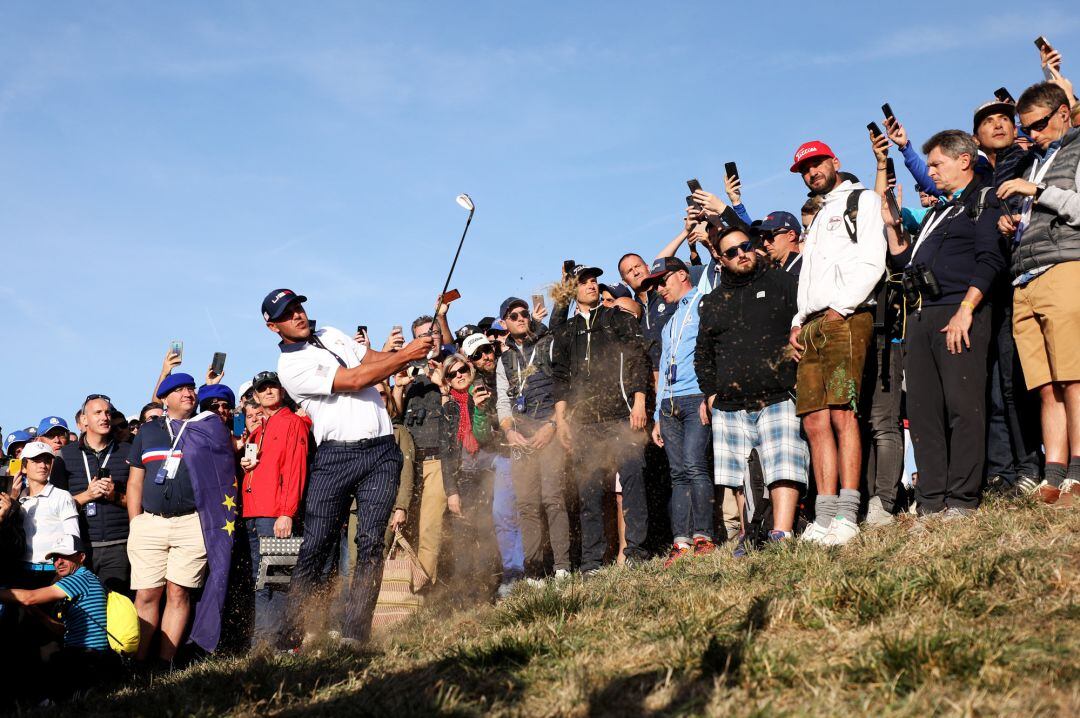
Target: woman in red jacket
column 272, row 488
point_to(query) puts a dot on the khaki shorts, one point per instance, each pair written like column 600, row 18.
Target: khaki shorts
column 162, row 549
column 1046, row 325
column 831, row 368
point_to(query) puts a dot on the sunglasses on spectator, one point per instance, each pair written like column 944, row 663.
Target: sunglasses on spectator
column 481, row 352
column 733, row 252
column 96, row 396
column 771, row 237
column 460, row 371
column 1039, row 125
column 518, row 315
column 219, row 406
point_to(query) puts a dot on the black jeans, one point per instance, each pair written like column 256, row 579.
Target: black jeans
column 1014, row 433
column 946, row 402
column 600, row 451
column 110, row 564
column 884, row 438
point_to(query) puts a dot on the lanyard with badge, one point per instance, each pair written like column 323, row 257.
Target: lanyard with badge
column 928, row 229
column 519, row 404
column 91, row 507
column 673, row 370
column 172, row 462
column 1036, row 176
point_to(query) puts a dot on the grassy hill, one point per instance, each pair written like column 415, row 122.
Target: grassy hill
column 969, row 617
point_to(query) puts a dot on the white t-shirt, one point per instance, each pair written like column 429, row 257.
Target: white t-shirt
column 307, row 373
column 46, row 517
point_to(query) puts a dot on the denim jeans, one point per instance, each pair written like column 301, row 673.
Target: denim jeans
column 269, row 602
column 687, row 442
column 507, row 526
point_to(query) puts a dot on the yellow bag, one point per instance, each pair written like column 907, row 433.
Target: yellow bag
column 121, row 623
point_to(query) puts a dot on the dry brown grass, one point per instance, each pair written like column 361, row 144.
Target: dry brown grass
column 973, row 617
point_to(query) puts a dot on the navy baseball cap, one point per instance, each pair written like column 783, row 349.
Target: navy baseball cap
column 174, row 381
column 49, row 423
column 276, row 301
column 780, row 221
column 617, row 291
column 509, row 303
column 662, row 266
column 581, row 272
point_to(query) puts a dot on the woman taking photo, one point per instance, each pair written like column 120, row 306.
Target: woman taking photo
column 465, row 425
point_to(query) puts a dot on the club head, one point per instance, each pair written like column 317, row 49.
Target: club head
column 465, row 201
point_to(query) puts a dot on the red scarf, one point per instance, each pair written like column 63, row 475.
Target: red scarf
column 464, row 431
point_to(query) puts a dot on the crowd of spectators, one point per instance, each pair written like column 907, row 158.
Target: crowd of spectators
column 759, row 391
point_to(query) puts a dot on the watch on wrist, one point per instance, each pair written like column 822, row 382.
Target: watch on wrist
column 1039, row 189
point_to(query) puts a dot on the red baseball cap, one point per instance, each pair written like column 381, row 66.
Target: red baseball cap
column 809, row 150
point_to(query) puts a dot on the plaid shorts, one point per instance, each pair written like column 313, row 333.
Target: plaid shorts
column 775, row 431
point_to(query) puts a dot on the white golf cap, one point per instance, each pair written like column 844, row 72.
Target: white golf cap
column 244, row 388
column 37, row 448
column 65, row 545
column 472, row 343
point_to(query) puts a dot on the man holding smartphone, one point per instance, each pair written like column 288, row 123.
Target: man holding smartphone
column 94, row 470
column 333, row 379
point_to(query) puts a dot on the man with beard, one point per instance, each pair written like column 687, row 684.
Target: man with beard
column 481, row 354
column 843, row 260
column 744, row 371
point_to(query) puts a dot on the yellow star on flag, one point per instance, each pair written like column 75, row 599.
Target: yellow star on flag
column 229, row 527
column 229, row 503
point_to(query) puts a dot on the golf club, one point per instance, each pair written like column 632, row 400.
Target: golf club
column 465, row 201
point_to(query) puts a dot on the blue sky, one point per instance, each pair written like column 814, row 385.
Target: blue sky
column 162, row 166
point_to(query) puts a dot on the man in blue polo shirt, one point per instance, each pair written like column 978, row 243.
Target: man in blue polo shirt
column 682, row 426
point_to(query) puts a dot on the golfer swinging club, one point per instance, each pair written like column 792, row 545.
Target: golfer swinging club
column 332, row 377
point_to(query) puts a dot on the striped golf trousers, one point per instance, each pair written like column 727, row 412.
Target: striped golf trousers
column 368, row 471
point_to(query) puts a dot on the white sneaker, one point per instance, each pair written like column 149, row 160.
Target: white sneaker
column 876, row 515
column 815, row 532
column 840, row 532
column 561, row 573
column 504, row 590
column 535, row 582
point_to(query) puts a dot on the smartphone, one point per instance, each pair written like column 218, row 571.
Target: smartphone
column 177, row 347
column 1003, row 95
column 450, row 296
column 15, row 467
column 887, row 111
column 361, row 329
column 890, row 171
column 568, row 266
column 874, row 129
column 251, row 451
column 217, row 366
column 1041, row 43
column 731, row 170
column 537, row 301
column 103, row 473
column 311, row 324
column 238, row 425
column 693, row 184
column 690, row 200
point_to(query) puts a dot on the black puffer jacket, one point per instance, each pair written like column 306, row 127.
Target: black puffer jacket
column 598, row 363
column 741, row 354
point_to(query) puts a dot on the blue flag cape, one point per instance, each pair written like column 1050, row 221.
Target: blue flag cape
column 208, row 455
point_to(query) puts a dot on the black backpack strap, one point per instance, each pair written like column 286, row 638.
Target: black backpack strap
column 851, row 214
column 975, row 210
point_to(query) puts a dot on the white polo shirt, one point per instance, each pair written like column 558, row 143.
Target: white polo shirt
column 46, row 517
column 307, row 373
